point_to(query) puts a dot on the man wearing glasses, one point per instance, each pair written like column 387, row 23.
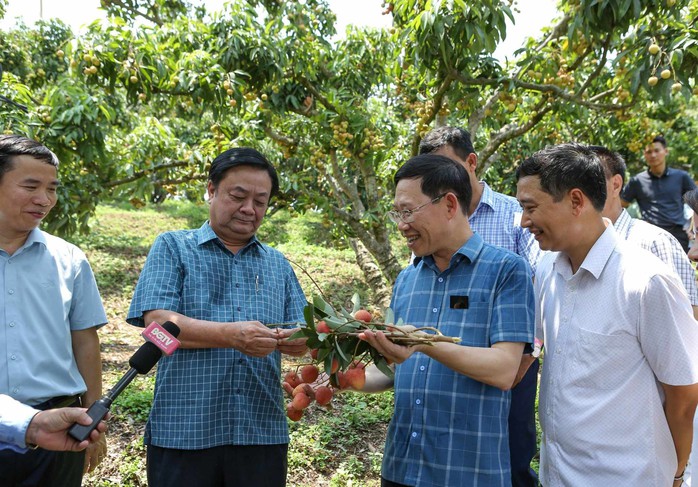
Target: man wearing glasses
column 497, row 219
column 449, row 425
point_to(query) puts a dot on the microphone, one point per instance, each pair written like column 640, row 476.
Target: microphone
column 159, row 339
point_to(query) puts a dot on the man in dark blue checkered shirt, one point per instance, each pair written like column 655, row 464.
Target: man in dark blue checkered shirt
column 451, row 400
column 218, row 416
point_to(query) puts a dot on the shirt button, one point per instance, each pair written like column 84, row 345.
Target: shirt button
column 13, row 357
column 15, row 390
column 421, row 367
column 558, row 350
column 441, row 279
column 11, row 291
column 239, row 308
column 12, row 324
column 239, row 391
column 435, row 310
column 418, row 401
column 239, row 361
column 414, row 435
column 237, row 284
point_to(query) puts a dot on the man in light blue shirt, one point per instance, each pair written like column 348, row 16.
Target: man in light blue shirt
column 496, row 217
column 218, row 411
column 51, row 310
column 22, row 427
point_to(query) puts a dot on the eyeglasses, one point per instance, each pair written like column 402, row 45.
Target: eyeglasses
column 407, row 216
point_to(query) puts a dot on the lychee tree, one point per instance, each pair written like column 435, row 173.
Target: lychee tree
column 138, row 105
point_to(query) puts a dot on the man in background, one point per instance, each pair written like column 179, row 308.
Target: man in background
column 497, row 219
column 659, row 192
column 52, row 309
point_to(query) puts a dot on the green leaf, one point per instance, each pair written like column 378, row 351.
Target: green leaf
column 356, row 300
column 323, row 307
column 382, row 365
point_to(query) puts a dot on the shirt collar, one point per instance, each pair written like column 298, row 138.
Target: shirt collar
column 469, row 250
column 597, row 257
column 623, row 222
column 487, row 197
column 652, row 175
column 35, row 236
column 206, row 234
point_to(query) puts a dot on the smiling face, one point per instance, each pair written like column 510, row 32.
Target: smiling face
column 548, row 220
column 238, row 204
column 425, row 233
column 27, row 194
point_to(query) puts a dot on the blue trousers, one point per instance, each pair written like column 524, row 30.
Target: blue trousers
column 523, row 442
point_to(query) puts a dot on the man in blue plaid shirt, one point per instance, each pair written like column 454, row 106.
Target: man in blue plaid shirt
column 496, row 217
column 451, row 400
column 218, row 416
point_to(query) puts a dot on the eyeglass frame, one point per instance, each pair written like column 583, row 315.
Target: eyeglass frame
column 407, row 216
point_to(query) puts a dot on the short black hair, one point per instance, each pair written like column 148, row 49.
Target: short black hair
column 612, row 162
column 564, row 167
column 12, row 146
column 660, row 139
column 439, row 175
column 457, row 138
column 691, row 199
column 242, row 156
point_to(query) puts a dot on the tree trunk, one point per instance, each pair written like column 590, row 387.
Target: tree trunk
column 372, row 273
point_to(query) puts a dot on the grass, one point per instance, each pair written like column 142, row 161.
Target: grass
column 341, row 446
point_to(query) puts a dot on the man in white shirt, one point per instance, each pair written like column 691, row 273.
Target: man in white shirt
column 620, row 379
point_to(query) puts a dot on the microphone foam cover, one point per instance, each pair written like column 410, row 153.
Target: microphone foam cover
column 148, row 354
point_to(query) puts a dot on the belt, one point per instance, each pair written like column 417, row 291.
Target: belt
column 59, row 402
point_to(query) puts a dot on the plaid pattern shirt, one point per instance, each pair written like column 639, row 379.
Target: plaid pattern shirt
column 217, row 396
column 662, row 244
column 497, row 219
column 449, row 429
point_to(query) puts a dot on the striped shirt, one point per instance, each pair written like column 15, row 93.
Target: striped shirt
column 497, row 219
column 662, row 244
column 209, row 397
column 449, row 429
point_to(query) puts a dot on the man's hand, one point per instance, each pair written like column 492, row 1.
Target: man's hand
column 294, row 348
column 392, row 352
column 526, row 361
column 49, row 429
column 253, row 338
column 95, row 454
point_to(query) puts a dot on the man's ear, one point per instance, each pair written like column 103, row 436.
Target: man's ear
column 578, row 200
column 210, row 190
column 452, row 204
column 471, row 161
column 616, row 184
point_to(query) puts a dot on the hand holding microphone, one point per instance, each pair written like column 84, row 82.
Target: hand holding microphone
column 160, row 338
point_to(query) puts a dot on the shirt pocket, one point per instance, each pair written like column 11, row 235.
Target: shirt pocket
column 601, row 361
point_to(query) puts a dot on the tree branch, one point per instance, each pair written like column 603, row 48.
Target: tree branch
column 138, row 175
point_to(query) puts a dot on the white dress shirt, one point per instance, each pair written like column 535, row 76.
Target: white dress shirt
column 613, row 330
